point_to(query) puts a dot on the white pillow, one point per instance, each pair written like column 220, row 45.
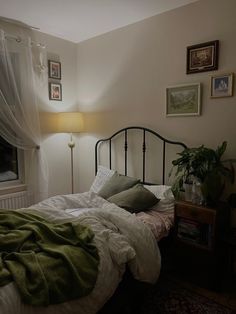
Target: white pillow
column 164, row 193
column 102, row 176
column 160, row 191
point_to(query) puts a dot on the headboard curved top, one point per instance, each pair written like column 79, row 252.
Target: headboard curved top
column 144, row 132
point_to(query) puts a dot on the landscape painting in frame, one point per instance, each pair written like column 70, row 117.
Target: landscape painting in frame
column 183, row 100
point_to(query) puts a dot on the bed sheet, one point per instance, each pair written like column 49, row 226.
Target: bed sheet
column 120, row 239
column 160, row 218
column 159, row 222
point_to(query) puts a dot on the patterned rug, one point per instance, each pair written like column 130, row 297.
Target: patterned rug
column 166, row 297
column 169, row 297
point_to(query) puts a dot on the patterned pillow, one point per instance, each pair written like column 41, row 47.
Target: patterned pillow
column 102, row 176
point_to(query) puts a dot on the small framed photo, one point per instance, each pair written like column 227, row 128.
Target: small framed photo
column 55, row 91
column 183, row 100
column 222, row 85
column 203, row 57
column 54, row 69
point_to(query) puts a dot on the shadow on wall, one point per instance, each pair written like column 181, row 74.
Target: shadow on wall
column 107, row 71
column 103, row 123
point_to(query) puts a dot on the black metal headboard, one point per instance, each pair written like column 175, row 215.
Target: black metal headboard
column 144, row 132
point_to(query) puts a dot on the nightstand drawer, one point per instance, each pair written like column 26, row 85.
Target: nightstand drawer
column 199, row 214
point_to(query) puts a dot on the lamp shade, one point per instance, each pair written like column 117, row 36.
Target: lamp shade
column 69, row 122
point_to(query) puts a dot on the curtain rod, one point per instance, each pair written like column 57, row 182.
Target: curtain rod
column 18, row 23
column 19, row 40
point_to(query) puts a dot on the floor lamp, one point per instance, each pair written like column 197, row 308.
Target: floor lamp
column 70, row 122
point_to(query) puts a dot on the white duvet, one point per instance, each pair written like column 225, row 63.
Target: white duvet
column 120, row 238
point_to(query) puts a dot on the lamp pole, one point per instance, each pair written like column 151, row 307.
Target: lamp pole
column 71, row 145
column 70, row 122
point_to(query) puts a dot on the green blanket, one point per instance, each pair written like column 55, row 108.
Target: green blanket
column 50, row 263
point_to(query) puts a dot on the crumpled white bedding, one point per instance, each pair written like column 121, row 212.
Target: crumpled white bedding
column 120, row 238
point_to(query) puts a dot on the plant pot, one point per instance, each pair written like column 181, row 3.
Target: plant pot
column 197, row 196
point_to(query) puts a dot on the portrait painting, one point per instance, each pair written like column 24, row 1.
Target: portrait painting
column 55, row 91
column 222, row 85
column 54, row 69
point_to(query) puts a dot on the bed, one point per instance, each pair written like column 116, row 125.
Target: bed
column 116, row 225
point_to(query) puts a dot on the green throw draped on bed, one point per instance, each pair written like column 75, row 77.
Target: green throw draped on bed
column 50, row 263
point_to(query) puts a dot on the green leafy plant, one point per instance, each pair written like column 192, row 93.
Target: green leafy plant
column 206, row 165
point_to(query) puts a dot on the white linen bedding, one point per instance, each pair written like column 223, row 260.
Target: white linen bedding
column 120, row 238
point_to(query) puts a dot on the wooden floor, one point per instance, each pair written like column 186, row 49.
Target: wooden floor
column 226, row 297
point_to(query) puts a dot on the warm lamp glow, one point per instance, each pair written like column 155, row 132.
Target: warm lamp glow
column 69, row 122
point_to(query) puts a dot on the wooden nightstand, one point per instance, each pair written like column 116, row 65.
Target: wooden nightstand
column 230, row 241
column 200, row 250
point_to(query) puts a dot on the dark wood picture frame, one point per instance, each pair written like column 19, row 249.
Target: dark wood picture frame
column 203, row 57
column 55, row 91
column 54, row 69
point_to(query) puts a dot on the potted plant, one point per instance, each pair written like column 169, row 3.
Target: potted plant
column 206, row 167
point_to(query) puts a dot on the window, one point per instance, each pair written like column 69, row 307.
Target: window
column 11, row 158
column 8, row 162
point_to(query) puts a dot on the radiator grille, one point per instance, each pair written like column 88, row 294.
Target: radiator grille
column 14, row 200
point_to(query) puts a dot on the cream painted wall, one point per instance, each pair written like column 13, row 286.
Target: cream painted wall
column 55, row 146
column 119, row 79
column 122, row 77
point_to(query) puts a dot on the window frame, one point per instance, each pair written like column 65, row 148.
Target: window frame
column 12, row 186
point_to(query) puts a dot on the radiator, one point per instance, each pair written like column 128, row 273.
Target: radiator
column 14, row 200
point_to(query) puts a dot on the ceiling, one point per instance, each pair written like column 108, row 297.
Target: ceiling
column 78, row 20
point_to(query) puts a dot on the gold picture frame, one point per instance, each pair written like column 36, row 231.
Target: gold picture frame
column 222, row 85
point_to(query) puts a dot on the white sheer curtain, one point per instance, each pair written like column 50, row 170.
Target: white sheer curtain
column 21, row 65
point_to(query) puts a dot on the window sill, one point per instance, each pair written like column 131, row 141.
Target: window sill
column 12, row 189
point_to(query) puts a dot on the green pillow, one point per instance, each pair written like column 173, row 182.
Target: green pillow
column 135, row 199
column 117, row 183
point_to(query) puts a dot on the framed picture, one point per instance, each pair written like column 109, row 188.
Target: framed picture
column 54, row 69
column 222, row 85
column 55, row 91
column 183, row 100
column 203, row 57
